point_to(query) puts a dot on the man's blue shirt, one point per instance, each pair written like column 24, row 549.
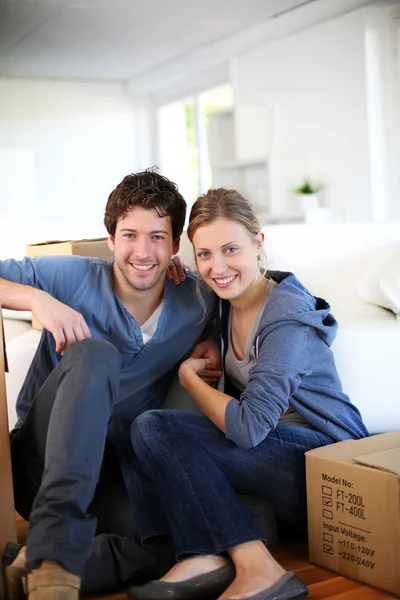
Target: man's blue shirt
column 85, row 284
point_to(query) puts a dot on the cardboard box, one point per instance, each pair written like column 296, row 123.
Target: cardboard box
column 7, row 513
column 353, row 495
column 96, row 247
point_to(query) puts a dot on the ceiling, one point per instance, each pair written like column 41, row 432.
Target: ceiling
column 120, row 39
column 116, row 39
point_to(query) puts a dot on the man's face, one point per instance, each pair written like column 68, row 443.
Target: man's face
column 143, row 246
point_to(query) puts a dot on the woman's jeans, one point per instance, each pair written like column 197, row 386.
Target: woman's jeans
column 189, row 475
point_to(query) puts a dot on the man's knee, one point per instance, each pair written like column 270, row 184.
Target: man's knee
column 94, row 352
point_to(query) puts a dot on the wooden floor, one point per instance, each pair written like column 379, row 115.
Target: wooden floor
column 292, row 555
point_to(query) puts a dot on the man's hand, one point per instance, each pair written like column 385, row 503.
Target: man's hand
column 66, row 324
column 177, row 270
column 210, row 351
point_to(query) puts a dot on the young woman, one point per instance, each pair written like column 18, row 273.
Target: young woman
column 280, row 395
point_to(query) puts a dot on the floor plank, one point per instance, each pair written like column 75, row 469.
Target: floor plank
column 292, row 555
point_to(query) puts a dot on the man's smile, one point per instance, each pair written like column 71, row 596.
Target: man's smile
column 142, row 267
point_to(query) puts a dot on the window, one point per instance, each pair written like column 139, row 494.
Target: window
column 183, row 139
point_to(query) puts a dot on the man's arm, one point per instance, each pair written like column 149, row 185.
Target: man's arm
column 67, row 325
column 16, row 296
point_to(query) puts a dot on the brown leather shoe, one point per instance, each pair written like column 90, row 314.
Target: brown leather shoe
column 13, row 572
column 51, row 582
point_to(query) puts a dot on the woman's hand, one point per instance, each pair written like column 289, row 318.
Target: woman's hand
column 193, row 366
column 177, row 270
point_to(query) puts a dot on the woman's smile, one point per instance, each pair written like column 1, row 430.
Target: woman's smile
column 224, row 282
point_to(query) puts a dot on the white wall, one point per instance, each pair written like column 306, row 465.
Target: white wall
column 314, row 86
column 63, row 147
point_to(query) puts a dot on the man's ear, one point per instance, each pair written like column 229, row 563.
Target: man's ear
column 176, row 246
column 110, row 243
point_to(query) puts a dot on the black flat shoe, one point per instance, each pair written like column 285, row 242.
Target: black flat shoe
column 289, row 587
column 204, row 587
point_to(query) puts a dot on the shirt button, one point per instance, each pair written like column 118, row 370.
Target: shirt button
column 140, row 339
column 137, row 327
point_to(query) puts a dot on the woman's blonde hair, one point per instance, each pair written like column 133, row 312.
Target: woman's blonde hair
column 227, row 204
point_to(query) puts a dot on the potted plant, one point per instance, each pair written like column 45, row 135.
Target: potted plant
column 308, row 194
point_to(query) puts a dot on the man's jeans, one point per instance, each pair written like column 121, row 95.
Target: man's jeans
column 57, row 458
column 61, row 444
column 189, row 475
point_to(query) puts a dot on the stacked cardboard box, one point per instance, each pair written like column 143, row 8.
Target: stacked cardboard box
column 96, row 247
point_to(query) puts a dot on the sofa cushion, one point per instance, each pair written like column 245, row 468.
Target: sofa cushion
column 380, row 283
column 14, row 327
column 366, row 351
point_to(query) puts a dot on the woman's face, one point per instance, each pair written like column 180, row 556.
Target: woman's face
column 227, row 257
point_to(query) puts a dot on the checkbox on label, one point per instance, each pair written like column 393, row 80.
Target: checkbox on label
column 327, row 514
column 328, row 549
column 327, row 537
column 326, row 491
column 326, row 501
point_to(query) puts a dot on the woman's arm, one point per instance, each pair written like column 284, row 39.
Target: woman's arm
column 284, row 359
column 211, row 402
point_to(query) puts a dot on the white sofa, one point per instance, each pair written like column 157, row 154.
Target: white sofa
column 329, row 259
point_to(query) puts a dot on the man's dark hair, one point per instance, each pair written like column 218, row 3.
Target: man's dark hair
column 147, row 189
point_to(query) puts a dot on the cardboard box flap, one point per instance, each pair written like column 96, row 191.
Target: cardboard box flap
column 386, row 460
column 68, row 241
column 349, row 450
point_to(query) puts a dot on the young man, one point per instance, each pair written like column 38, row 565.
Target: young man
column 114, row 332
